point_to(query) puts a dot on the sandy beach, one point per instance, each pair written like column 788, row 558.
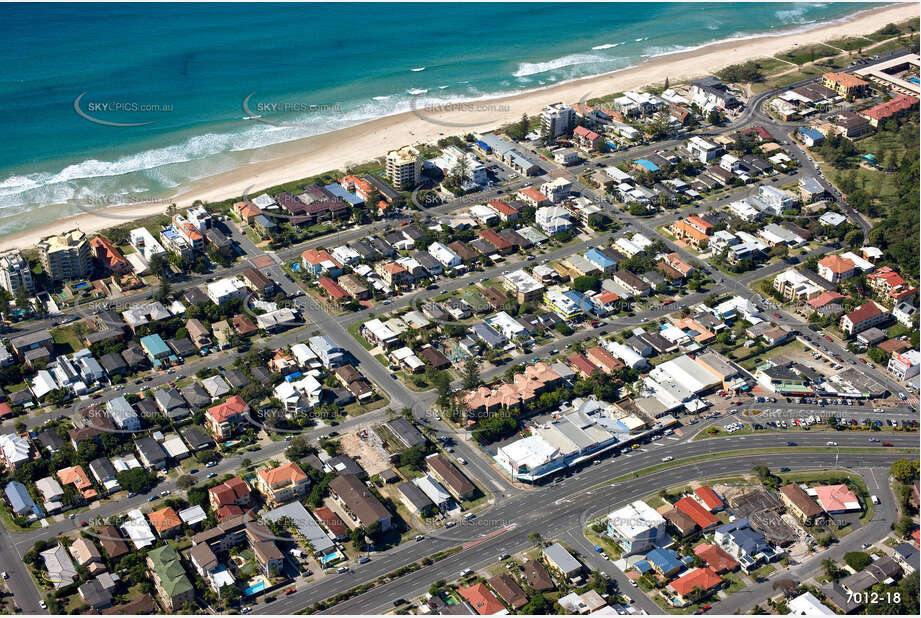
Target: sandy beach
column 302, row 158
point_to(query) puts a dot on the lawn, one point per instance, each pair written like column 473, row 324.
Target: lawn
column 851, row 43
column 807, row 53
column 764, row 571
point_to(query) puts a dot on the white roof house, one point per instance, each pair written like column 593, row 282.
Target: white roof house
column 193, row 515
column 630, row 357
column 175, row 447
column 125, row 462
column 224, row 289
column 304, row 356
column 507, row 325
column 15, row 449
column 807, row 604
column 444, row 255
column 405, row 356
column 832, row 218
column 433, row 490
column 635, row 518
column 138, row 530
column 61, row 569
column 859, row 262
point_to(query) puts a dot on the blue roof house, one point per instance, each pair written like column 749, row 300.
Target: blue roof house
column 810, row 137
column 20, row 500
column 665, row 561
column 157, row 350
column 646, row 164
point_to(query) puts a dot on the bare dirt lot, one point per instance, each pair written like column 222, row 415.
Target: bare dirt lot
column 366, row 447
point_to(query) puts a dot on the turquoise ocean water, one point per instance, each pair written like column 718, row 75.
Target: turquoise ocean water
column 182, row 71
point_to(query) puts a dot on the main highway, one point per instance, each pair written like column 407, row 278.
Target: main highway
column 561, row 510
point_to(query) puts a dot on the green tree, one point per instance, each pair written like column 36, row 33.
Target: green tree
column 471, row 374
column 905, row 471
column 185, row 481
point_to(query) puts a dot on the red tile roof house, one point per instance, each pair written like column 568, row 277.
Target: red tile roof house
column 533, row 197
column 333, row 289
column 505, row 211
column 706, row 496
column 223, row 418
column 863, row 317
column 582, row 365
column 836, row 498
column 502, row 245
column 232, row 492
column 701, row 516
column 716, row 558
column 482, row 600
column 603, row 359
column 586, row 139
column 705, row 579
column 835, row 268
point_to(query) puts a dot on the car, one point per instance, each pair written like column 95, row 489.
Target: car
column 776, row 315
column 210, row 464
column 152, row 498
column 873, row 439
column 666, row 459
column 246, row 610
column 5, row 575
column 887, row 443
column 634, row 446
column 469, row 516
column 466, row 572
column 290, row 591
column 342, row 569
column 364, row 560
column 43, row 605
column 504, row 556
column 450, row 524
column 211, row 475
column 131, row 494
column 791, row 443
column 398, row 602
column 831, row 443
column 419, row 537
column 462, row 461
column 785, row 469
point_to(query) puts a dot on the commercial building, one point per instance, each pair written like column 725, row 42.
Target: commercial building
column 904, row 365
column 66, row 256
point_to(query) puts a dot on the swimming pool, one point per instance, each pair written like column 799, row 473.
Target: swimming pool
column 80, row 285
column 258, row 587
column 914, row 80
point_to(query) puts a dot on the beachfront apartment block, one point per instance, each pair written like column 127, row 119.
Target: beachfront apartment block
column 404, row 167
column 145, row 243
column 557, row 119
column 15, row 274
column 66, row 256
column 845, row 84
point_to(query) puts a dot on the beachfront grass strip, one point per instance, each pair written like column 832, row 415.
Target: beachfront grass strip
column 851, row 43
column 807, row 53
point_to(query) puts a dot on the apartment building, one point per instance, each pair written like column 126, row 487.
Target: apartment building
column 404, row 167
column 15, row 275
column 281, row 484
column 557, row 119
column 66, row 256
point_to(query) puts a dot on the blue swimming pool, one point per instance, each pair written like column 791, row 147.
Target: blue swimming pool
column 251, row 590
column 914, row 80
column 80, row 285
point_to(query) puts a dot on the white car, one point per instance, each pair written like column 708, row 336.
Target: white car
column 669, row 458
column 830, row 443
column 43, row 605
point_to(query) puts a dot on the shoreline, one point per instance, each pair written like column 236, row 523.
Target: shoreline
column 309, row 156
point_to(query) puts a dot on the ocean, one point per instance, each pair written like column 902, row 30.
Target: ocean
column 118, row 103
